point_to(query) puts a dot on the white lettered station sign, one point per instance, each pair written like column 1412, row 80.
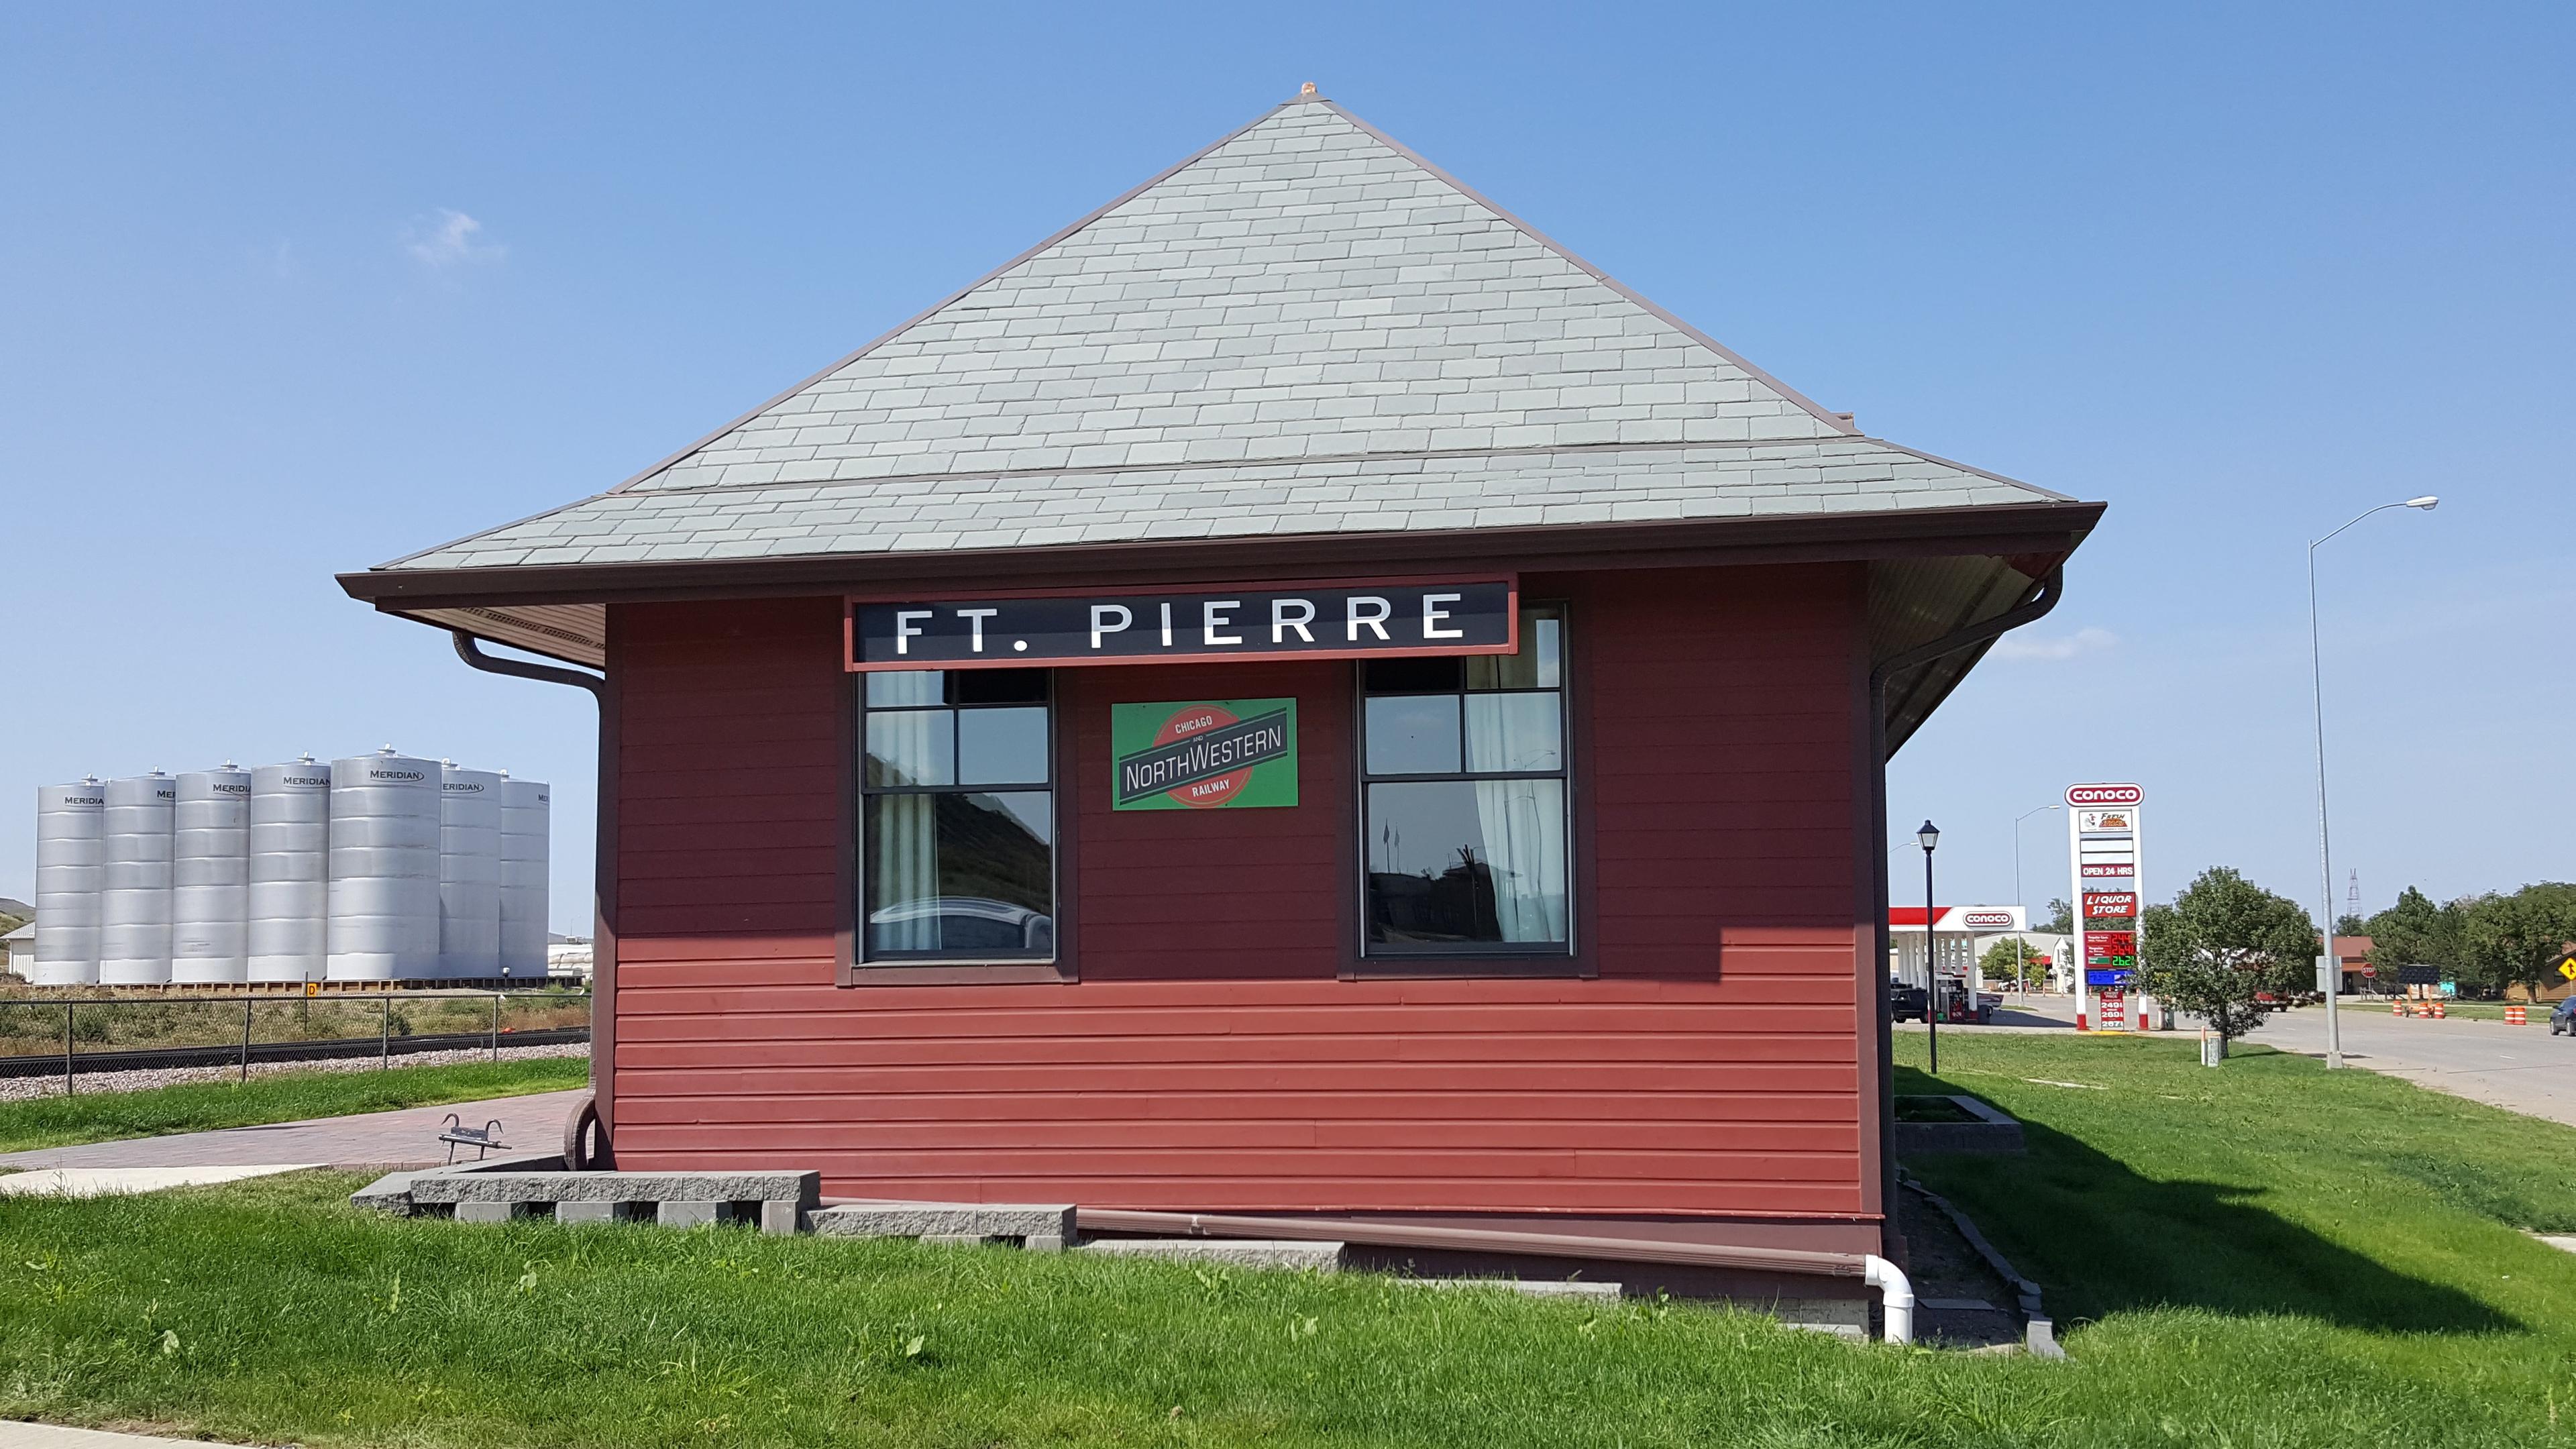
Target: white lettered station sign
column 2103, row 844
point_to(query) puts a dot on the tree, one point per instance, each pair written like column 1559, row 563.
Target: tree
column 2415, row 932
column 2223, row 947
column 2517, row 939
column 2349, row 924
column 2014, row 959
column 2061, row 919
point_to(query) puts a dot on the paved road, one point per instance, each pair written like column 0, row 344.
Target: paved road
column 386, row 1140
column 2523, row 1068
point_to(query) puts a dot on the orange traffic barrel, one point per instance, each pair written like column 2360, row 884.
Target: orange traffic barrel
column 2440, row 1010
column 2516, row 1016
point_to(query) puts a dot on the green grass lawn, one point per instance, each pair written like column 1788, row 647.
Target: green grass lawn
column 2263, row 1255
column 278, row 1097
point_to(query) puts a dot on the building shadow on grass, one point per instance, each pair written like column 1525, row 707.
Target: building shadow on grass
column 2099, row 1238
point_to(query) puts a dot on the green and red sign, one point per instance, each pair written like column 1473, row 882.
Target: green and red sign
column 1207, row 754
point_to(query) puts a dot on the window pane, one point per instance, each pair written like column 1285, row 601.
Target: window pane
column 997, row 874
column 904, row 687
column 1540, row 662
column 912, row 747
column 1003, row 746
column 1409, row 676
column 1413, row 734
column 961, row 875
column 998, row 686
column 1514, row 732
column 1467, row 861
column 902, row 872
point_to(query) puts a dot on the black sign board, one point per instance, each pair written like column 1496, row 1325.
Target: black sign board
column 1275, row 621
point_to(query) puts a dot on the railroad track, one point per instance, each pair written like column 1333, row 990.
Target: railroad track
column 281, row 1051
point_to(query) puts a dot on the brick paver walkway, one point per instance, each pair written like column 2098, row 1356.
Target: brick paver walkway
column 408, row 1138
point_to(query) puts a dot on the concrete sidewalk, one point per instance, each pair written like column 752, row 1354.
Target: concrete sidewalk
column 14, row 1435
column 376, row 1141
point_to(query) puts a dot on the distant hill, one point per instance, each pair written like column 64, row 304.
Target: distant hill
column 20, row 909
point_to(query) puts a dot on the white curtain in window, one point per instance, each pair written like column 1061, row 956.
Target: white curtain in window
column 1523, row 822
column 902, row 917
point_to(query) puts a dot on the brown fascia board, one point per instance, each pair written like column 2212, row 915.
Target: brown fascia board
column 2035, row 529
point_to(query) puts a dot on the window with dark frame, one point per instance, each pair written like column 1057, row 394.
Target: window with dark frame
column 957, row 816
column 1463, row 799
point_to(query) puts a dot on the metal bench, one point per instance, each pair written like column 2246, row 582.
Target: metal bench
column 482, row 1139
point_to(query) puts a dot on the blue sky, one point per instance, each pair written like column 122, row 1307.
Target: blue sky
column 292, row 290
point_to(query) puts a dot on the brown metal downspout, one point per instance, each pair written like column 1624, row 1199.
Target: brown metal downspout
column 603, row 948
column 1487, row 1240
column 2043, row 597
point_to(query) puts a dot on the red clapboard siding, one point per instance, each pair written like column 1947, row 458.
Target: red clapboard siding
column 1216, row 1053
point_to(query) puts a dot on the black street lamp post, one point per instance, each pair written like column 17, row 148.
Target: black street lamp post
column 1931, row 839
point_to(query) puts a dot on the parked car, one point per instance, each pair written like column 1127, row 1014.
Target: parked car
column 2562, row 1018
column 1904, row 1003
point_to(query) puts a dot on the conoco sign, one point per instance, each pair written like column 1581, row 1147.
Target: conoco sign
column 2105, row 845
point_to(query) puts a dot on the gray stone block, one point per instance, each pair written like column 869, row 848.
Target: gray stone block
column 784, row 1215
column 1535, row 1288
column 388, row 1194
column 1290, row 1254
column 603, row 1212
column 1043, row 1243
column 1842, row 1317
column 946, row 1219
column 804, row 1188
column 690, row 1214
column 486, row 1212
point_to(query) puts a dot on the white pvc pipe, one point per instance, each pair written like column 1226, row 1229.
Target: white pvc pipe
column 1897, row 1292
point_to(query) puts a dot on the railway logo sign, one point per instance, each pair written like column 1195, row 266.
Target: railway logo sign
column 1208, row 754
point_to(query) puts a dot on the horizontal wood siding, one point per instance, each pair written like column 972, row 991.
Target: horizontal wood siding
column 1217, row 1053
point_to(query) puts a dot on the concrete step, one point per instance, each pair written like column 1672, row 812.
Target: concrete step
column 1535, row 1288
column 1039, row 1227
column 1294, row 1255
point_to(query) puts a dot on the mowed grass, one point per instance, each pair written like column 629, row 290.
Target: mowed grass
column 2236, row 1265
column 279, row 1097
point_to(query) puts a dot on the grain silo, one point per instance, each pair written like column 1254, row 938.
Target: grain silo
column 71, row 869
column 469, row 874
column 210, row 878
column 525, row 807
column 134, row 904
column 384, row 869
column 290, row 870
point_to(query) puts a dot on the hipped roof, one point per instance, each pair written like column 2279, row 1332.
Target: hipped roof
column 1304, row 331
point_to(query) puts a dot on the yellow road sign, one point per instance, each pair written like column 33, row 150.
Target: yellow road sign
column 2567, row 968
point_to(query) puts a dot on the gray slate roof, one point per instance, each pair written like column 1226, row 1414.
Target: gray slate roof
column 1304, row 329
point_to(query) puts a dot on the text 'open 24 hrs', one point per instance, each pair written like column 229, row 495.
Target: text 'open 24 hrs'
column 1278, row 621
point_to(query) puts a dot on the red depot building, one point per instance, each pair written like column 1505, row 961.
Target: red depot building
column 1295, row 700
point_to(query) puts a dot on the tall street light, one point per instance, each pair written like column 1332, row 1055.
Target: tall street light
column 2329, row 971
column 1930, row 838
column 2021, row 967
